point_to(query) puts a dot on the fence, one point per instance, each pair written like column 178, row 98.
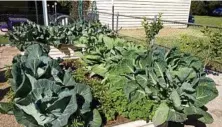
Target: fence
column 171, row 28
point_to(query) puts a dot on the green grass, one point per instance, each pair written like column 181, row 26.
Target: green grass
column 3, row 40
column 208, row 20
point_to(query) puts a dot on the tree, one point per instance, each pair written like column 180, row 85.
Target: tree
column 198, row 8
column 204, row 7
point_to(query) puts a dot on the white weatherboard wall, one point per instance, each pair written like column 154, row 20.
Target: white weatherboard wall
column 174, row 10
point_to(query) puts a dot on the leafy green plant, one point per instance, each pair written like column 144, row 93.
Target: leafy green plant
column 111, row 99
column 175, row 81
column 137, row 110
column 27, row 34
column 46, row 95
column 107, row 53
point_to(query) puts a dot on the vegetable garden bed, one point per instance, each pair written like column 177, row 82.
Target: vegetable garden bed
column 112, row 79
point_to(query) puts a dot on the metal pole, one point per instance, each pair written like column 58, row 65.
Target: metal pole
column 55, row 10
column 117, row 22
column 45, row 12
column 112, row 15
column 36, row 12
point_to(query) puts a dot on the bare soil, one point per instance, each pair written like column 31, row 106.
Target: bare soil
column 6, row 55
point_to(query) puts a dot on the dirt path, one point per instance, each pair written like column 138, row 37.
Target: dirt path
column 6, row 55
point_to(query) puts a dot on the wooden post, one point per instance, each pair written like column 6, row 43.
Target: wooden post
column 117, row 22
column 36, row 12
column 112, row 15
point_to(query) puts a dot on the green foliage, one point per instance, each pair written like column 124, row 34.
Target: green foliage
column 152, row 29
column 174, row 80
column 208, row 49
column 158, row 84
column 107, row 52
column 111, row 100
column 204, row 7
column 198, row 8
column 137, row 110
column 31, row 33
column 214, row 48
column 45, row 95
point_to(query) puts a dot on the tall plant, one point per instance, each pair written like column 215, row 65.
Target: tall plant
column 152, row 29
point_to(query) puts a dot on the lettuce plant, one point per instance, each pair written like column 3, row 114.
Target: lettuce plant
column 176, row 82
column 46, row 95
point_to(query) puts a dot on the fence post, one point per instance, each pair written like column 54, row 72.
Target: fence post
column 117, row 22
column 36, row 12
column 112, row 17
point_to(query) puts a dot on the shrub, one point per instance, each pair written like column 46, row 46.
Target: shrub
column 175, row 81
column 152, row 29
column 198, row 8
column 208, row 48
column 46, row 95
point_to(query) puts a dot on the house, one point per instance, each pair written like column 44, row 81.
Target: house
column 173, row 10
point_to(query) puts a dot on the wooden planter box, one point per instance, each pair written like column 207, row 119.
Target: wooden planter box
column 140, row 123
column 64, row 52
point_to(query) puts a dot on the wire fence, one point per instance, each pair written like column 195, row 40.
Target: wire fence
column 171, row 30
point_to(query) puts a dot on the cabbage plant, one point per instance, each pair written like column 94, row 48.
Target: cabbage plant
column 30, row 33
column 46, row 95
column 176, row 81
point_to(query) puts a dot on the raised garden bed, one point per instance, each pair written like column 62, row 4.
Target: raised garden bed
column 64, row 52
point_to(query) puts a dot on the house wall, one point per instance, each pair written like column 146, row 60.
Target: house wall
column 174, row 10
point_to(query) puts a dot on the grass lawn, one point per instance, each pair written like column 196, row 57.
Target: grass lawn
column 208, row 20
column 3, row 40
column 167, row 36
